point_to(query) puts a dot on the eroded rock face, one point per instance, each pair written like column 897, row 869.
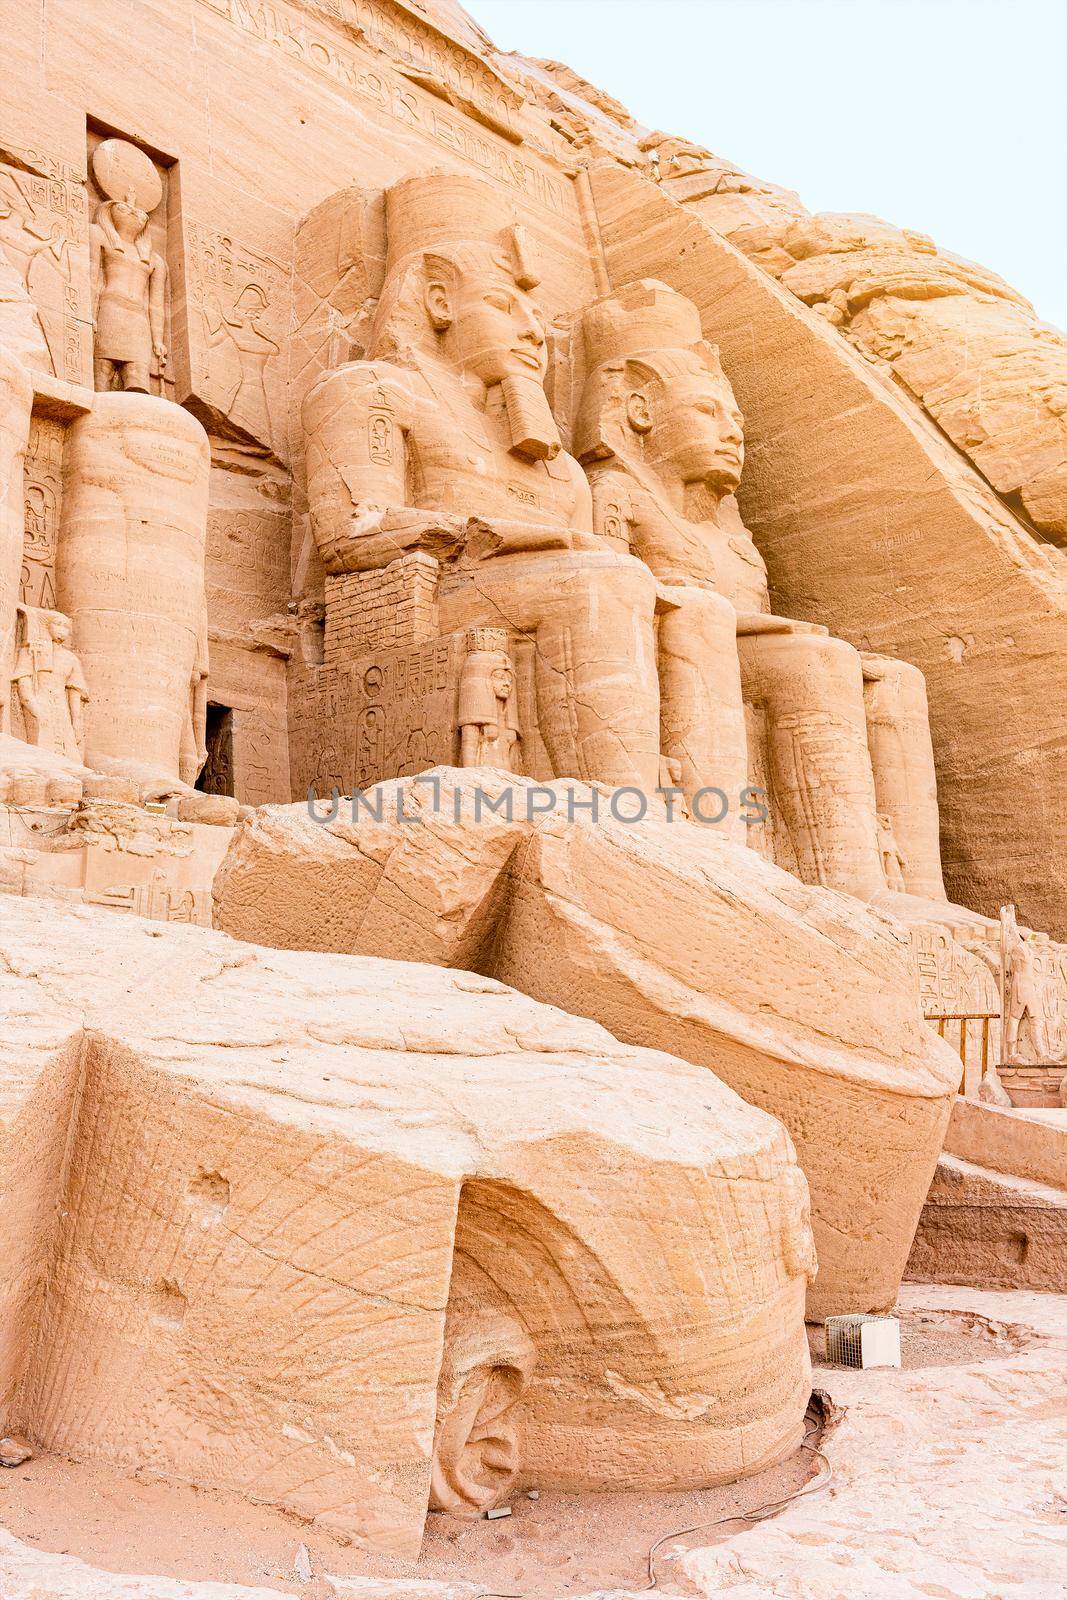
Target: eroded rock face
column 970, row 350
column 802, row 1000
column 256, row 1203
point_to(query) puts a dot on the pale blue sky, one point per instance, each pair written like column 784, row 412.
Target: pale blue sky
column 942, row 115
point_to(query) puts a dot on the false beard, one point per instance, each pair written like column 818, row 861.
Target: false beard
column 534, row 434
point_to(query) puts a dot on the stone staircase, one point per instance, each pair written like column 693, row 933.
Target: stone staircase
column 996, row 1213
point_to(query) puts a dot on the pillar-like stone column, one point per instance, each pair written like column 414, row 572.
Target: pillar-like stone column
column 810, row 690
column 902, row 755
column 130, row 575
column 16, row 401
column 702, row 714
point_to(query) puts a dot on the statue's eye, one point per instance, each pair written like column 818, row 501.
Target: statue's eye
column 499, row 302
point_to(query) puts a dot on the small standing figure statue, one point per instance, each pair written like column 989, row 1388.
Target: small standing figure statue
column 50, row 685
column 193, row 752
column 1023, row 990
column 488, row 726
column 129, row 277
column 890, row 852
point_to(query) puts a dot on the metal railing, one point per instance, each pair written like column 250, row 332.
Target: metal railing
column 963, row 1018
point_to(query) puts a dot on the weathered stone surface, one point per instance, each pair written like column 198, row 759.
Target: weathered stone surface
column 931, row 1492
column 252, row 1199
column 991, row 1230
column 944, row 1476
column 401, row 878
column 1028, row 1143
column 804, row 1001
column 28, row 1573
column 870, row 524
column 326, row 484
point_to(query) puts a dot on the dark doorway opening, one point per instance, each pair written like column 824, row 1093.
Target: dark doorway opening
column 216, row 775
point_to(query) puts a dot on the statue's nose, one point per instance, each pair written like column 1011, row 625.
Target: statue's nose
column 532, row 329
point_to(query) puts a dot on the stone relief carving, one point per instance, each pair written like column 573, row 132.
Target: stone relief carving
column 16, row 400
column 889, row 850
column 902, row 757
column 1034, row 996
column 50, row 684
column 238, row 302
column 240, row 330
column 129, row 276
column 34, row 239
column 435, row 441
column 42, row 497
column 488, row 602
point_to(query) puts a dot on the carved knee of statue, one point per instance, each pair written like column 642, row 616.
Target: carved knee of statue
column 702, row 713
column 487, row 1362
column 809, row 688
column 902, row 757
column 595, row 668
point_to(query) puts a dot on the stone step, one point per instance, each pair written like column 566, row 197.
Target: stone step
column 990, row 1229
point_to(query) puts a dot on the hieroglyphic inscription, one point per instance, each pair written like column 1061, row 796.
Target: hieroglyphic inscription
column 42, row 488
column 247, row 571
column 44, row 235
column 157, row 899
column 238, row 317
column 260, row 758
column 423, row 46
column 387, row 715
column 400, row 99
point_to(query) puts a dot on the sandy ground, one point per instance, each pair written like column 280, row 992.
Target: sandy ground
column 554, row 1546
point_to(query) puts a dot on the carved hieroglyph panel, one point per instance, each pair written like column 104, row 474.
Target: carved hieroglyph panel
column 247, row 573
column 237, row 309
column 260, row 757
column 951, row 979
column 1051, row 973
column 477, row 125
column 43, row 488
column 387, row 715
column 252, row 685
column 44, row 235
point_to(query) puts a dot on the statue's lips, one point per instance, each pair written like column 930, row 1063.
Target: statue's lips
column 527, row 358
column 728, row 460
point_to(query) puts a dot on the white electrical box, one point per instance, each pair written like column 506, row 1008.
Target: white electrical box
column 859, row 1340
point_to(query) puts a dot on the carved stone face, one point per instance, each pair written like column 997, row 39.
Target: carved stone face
column 129, row 221
column 495, row 329
column 250, row 303
column 502, row 681
column 694, row 426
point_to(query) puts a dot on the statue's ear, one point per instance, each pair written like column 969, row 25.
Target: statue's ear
column 638, row 414
column 439, row 297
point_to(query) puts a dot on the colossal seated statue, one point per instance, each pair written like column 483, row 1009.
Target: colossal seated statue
column 442, row 442
column 746, row 696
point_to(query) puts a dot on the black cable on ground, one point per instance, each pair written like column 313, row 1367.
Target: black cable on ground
column 757, row 1514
